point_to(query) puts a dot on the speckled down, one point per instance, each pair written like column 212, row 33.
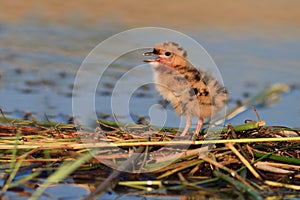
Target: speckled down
column 191, row 91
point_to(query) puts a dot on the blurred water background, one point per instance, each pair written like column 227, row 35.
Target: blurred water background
column 42, row 49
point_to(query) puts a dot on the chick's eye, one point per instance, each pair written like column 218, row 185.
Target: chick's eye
column 167, row 53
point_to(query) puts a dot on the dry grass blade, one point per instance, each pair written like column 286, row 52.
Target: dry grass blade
column 284, row 185
column 265, row 167
column 231, row 172
column 182, row 167
column 246, row 163
column 283, row 166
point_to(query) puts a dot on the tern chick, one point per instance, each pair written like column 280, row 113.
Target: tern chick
column 193, row 93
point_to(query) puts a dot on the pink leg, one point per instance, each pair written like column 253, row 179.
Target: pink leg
column 199, row 126
column 187, row 126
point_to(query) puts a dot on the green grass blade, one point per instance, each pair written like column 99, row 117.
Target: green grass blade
column 61, row 173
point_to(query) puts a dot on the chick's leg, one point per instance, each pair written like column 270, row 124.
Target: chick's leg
column 199, row 126
column 187, row 126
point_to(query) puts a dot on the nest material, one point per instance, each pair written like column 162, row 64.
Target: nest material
column 251, row 159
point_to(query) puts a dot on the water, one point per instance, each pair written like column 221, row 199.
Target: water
column 39, row 63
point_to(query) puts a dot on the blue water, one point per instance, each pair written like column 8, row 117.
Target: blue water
column 38, row 65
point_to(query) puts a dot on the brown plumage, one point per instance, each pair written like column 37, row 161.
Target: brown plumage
column 191, row 92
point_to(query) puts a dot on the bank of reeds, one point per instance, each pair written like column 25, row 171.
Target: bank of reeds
column 251, row 159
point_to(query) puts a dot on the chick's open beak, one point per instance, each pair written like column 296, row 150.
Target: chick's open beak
column 154, row 59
